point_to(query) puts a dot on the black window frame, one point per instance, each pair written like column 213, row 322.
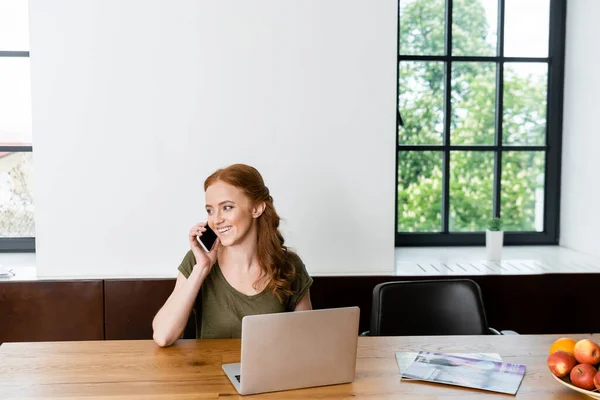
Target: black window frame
column 553, row 146
column 16, row 244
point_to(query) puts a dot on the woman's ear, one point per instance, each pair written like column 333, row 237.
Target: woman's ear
column 259, row 209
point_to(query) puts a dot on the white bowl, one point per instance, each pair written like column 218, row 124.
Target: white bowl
column 593, row 395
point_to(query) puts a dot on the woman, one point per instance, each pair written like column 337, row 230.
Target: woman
column 248, row 271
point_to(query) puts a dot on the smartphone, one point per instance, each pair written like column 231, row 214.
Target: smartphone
column 208, row 238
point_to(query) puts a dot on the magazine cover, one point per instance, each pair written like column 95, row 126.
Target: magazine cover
column 474, row 373
column 406, row 358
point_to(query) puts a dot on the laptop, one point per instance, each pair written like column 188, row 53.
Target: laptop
column 296, row 350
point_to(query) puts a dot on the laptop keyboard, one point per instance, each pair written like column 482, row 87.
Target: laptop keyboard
column 238, row 378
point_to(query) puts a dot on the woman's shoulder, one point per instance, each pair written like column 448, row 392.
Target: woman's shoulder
column 301, row 282
column 187, row 264
column 293, row 257
column 300, row 269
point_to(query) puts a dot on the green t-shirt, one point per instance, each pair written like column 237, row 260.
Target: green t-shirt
column 223, row 307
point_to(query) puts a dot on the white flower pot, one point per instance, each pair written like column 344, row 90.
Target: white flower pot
column 493, row 243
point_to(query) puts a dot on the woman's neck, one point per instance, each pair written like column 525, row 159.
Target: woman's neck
column 242, row 256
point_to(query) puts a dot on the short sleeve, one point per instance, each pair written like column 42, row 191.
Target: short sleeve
column 187, row 264
column 301, row 283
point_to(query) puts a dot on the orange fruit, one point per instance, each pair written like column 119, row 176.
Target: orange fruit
column 565, row 344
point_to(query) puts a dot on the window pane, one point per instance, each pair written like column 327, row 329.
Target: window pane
column 473, row 103
column 526, row 27
column 421, row 102
column 522, row 193
column 14, row 25
column 471, row 190
column 474, row 27
column 16, row 195
column 15, row 101
column 525, row 91
column 422, row 27
column 419, row 191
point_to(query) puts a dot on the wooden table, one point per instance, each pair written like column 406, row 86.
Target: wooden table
column 191, row 369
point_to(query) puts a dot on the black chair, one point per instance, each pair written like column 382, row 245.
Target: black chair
column 433, row 307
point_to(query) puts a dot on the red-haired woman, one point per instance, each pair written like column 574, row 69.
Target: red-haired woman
column 248, row 271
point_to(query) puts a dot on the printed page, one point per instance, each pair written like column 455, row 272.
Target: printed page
column 468, row 372
column 404, row 358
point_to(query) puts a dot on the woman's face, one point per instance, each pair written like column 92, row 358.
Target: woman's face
column 230, row 212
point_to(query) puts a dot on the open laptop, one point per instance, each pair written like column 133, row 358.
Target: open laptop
column 296, row 350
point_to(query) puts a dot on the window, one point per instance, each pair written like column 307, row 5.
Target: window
column 480, row 120
column 17, row 229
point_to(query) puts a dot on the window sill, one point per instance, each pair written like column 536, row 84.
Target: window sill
column 516, row 260
column 21, row 264
column 413, row 261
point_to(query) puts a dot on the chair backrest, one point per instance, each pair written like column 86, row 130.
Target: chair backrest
column 433, row 307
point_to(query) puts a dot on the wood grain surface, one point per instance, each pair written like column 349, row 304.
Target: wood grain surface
column 191, row 369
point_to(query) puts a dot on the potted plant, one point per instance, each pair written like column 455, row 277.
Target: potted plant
column 494, row 239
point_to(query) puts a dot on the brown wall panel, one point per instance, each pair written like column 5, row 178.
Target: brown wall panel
column 346, row 291
column 528, row 304
column 51, row 311
column 536, row 304
column 130, row 306
column 123, row 309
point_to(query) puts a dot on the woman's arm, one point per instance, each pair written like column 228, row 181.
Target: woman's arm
column 304, row 303
column 171, row 319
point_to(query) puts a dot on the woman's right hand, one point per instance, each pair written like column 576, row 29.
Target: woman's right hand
column 204, row 260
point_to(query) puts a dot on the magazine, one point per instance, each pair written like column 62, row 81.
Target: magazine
column 474, row 373
column 406, row 358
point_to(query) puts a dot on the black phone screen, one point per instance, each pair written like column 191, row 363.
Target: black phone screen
column 208, row 238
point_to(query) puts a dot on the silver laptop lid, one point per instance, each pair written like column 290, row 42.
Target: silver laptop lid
column 298, row 349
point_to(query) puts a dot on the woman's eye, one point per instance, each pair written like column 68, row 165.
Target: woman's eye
column 209, row 212
column 227, row 208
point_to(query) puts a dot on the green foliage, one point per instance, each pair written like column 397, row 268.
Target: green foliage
column 472, row 122
column 495, row 224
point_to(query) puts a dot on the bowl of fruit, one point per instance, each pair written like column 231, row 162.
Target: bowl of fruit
column 575, row 365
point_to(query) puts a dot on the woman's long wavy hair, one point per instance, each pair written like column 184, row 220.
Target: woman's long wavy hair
column 272, row 253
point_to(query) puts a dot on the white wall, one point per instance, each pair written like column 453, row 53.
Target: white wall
column 580, row 216
column 136, row 102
